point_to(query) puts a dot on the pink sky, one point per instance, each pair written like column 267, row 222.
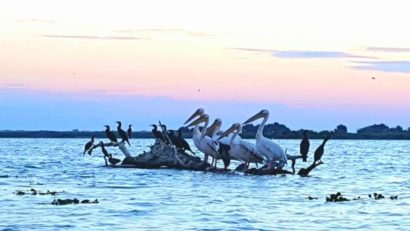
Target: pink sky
column 270, row 53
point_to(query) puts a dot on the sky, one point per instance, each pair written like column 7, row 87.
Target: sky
column 313, row 64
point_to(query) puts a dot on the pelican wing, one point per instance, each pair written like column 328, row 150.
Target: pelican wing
column 271, row 150
column 251, row 149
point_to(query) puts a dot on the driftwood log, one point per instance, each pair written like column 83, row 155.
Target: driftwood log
column 162, row 155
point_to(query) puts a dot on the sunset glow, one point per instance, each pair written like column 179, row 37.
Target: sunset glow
column 348, row 57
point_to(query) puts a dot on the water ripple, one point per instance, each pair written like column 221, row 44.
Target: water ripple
column 136, row 199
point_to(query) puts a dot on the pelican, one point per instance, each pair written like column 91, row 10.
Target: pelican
column 266, row 147
column 241, row 149
column 224, row 143
column 207, row 145
column 196, row 135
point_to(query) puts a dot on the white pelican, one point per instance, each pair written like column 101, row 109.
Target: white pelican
column 208, row 145
column 241, row 149
column 196, row 136
column 266, row 147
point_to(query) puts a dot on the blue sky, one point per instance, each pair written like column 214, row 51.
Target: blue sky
column 35, row 110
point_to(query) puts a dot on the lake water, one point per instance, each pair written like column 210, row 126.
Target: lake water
column 139, row 199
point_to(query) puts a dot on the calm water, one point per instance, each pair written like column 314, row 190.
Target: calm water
column 140, row 199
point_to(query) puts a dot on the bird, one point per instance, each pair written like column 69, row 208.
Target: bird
column 213, row 132
column 122, row 133
column 110, row 135
column 129, row 131
column 266, row 147
column 207, row 144
column 166, row 133
column 196, row 134
column 320, row 150
column 373, row 78
column 242, row 150
column 113, row 160
column 157, row 134
column 304, row 146
column 88, row 145
column 182, row 143
column 179, row 142
column 104, row 151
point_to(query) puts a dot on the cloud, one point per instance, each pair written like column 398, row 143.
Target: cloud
column 388, row 49
column 93, row 37
column 12, row 86
column 384, row 66
column 167, row 30
column 34, row 20
column 306, row 54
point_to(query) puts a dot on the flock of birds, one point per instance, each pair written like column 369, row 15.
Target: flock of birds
column 220, row 145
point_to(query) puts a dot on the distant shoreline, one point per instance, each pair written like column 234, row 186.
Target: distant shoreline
column 247, row 135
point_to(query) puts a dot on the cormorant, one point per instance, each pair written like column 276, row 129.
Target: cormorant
column 166, row 134
column 122, row 133
column 104, row 151
column 178, row 141
column 157, row 134
column 110, row 135
column 320, row 150
column 113, row 160
column 129, row 131
column 183, row 143
column 304, row 146
column 88, row 145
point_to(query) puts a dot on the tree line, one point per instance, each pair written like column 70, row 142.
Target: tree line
column 274, row 131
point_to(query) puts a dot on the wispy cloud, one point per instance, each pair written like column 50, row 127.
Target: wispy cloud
column 306, row 54
column 93, row 37
column 12, row 86
column 317, row 54
column 34, row 20
column 167, row 30
column 384, row 66
column 389, row 49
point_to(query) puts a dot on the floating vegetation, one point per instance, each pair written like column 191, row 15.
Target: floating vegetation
column 74, row 201
column 337, row 197
column 35, row 192
column 376, row 196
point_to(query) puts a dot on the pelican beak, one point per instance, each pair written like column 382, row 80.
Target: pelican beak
column 215, row 125
column 197, row 113
column 152, row 125
column 201, row 119
column 255, row 117
column 229, row 131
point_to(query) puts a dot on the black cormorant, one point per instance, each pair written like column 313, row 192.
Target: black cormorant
column 129, row 131
column 122, row 133
column 88, row 145
column 304, row 146
column 110, row 135
column 113, row 160
column 320, row 150
column 104, row 151
column 183, row 143
column 157, row 134
column 166, row 134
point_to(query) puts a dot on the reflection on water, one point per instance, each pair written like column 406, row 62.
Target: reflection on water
column 172, row 199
